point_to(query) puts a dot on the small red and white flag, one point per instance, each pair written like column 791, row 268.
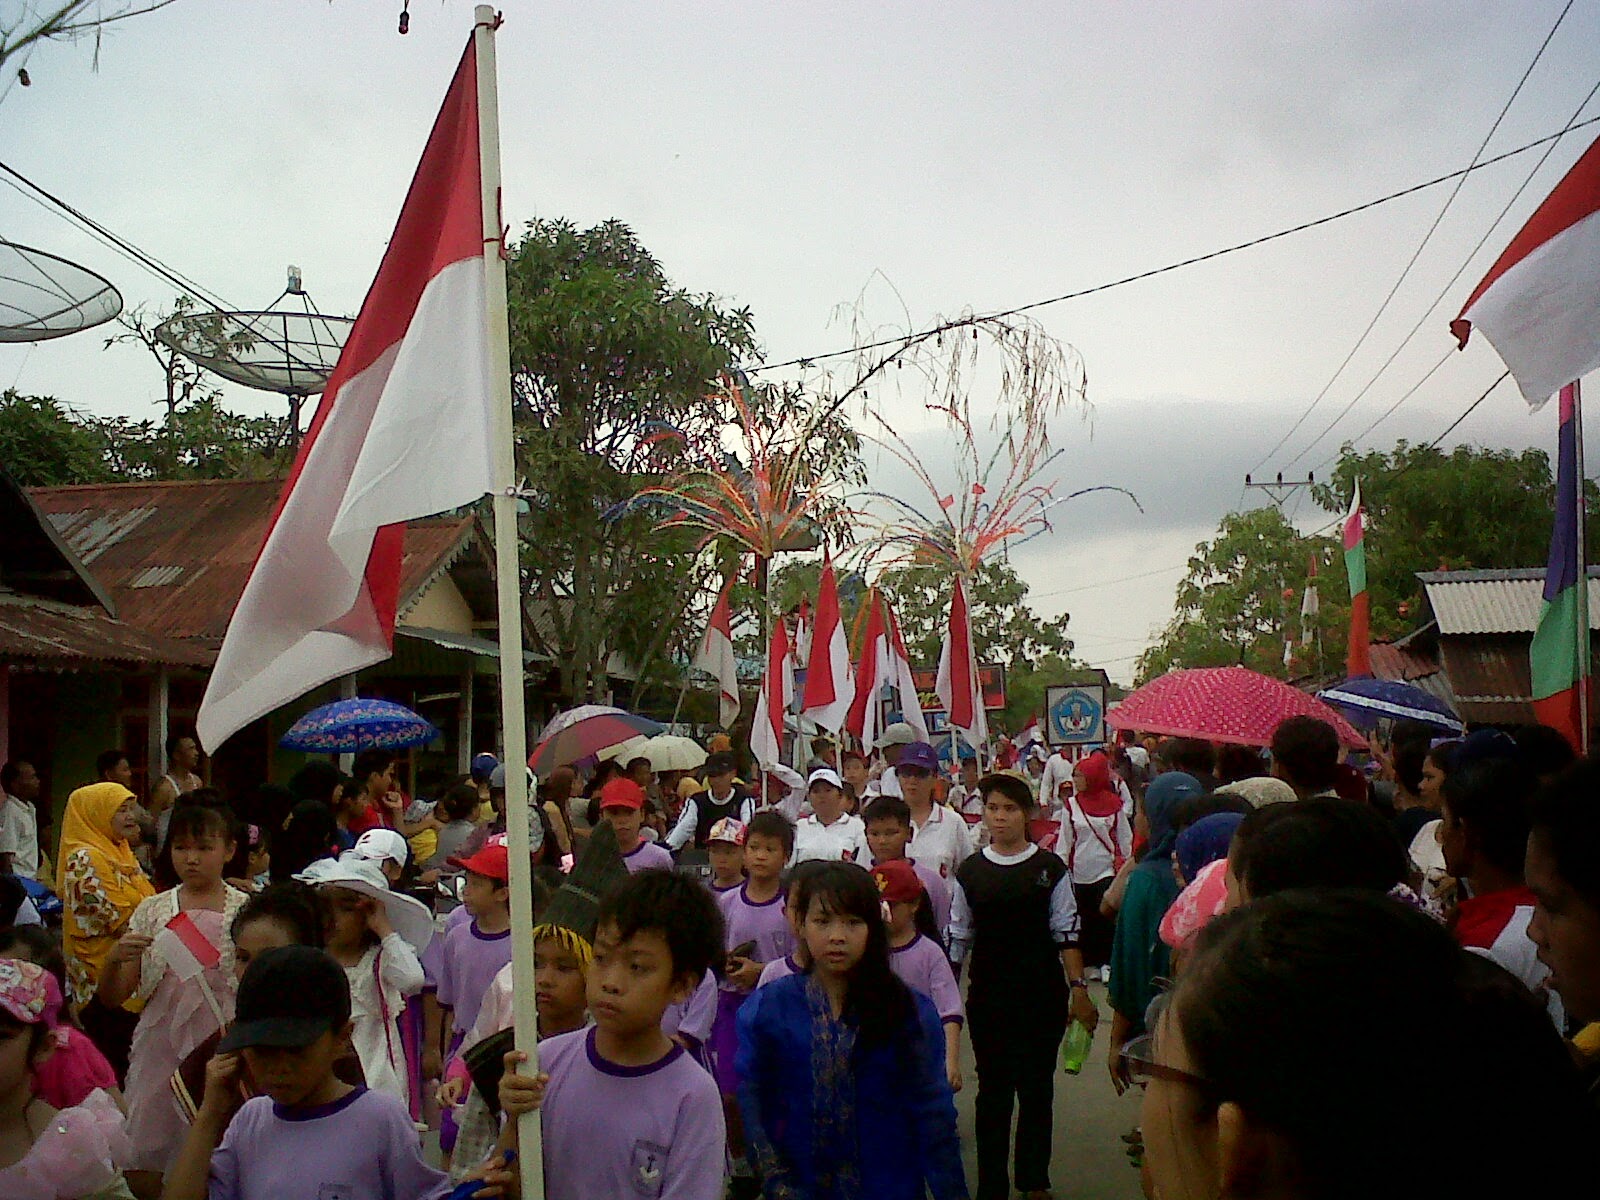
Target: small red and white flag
column 830, row 690
column 801, row 647
column 777, row 694
column 1539, row 305
column 403, row 431
column 872, row 669
column 716, row 657
column 184, row 948
column 957, row 684
column 901, row 678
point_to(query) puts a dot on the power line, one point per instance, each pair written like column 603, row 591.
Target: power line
column 977, row 318
column 1412, row 261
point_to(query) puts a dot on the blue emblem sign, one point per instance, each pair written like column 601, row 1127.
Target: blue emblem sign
column 1075, row 715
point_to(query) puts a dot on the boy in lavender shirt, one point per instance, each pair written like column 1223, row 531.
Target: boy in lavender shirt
column 309, row 1134
column 622, row 807
column 626, row 1111
column 889, row 831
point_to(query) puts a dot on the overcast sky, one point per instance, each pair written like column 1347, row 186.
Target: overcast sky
column 787, row 156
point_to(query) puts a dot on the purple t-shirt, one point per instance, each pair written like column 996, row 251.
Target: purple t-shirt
column 777, row 969
column 653, row 1131
column 764, row 924
column 467, row 966
column 694, row 1017
column 938, row 889
column 433, row 955
column 363, row 1147
column 923, row 967
column 647, row 856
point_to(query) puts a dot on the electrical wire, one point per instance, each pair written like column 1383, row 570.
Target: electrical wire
column 1412, row 261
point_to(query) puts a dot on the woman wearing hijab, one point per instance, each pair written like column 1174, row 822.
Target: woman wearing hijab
column 101, row 883
column 1096, row 838
column 1138, row 955
column 1202, row 863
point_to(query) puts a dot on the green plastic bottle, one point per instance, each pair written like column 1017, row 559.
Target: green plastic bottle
column 1075, row 1047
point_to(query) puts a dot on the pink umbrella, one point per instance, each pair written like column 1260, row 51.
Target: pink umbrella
column 1223, row 704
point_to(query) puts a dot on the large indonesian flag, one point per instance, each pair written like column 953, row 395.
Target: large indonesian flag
column 957, row 683
column 829, row 688
column 716, row 656
column 1539, row 305
column 403, row 431
column 777, row 694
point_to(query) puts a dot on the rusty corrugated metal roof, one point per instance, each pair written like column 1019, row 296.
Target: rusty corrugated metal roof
column 1490, row 677
column 1472, row 602
column 68, row 636
column 175, row 555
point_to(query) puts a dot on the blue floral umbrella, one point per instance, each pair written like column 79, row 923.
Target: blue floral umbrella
column 359, row 724
column 1366, row 701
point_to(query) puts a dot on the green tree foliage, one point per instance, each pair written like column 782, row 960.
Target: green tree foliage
column 605, row 353
column 45, row 444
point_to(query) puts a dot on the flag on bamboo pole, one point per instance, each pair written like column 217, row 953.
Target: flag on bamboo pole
column 957, row 682
column 1358, row 659
column 716, row 657
column 829, row 688
column 1310, row 605
column 872, row 669
column 1559, row 656
column 900, row 676
column 403, row 431
column 1539, row 305
column 777, row 694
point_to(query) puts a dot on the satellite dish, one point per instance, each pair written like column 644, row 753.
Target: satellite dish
column 285, row 350
column 44, row 296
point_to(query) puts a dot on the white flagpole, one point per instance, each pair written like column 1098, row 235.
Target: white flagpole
column 1581, row 531
column 508, row 578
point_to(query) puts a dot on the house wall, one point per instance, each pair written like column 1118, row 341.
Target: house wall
column 442, row 606
column 59, row 721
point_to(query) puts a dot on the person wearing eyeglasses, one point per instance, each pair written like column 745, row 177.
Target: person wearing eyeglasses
column 940, row 839
column 1262, row 1080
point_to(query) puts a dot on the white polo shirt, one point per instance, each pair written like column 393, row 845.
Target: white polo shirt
column 843, row 841
column 19, row 835
column 942, row 842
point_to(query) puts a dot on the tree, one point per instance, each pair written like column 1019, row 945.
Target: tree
column 64, row 20
column 606, row 352
column 1240, row 601
column 45, row 444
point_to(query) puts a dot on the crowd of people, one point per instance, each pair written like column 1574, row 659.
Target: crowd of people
column 1329, row 978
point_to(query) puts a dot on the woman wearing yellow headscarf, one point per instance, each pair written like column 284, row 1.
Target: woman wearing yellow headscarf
column 99, row 879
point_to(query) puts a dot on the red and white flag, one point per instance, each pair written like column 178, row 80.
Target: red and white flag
column 872, row 669
column 802, row 632
column 716, row 656
column 829, row 688
column 957, row 684
column 403, row 431
column 777, row 694
column 1539, row 305
column 901, row 678
column 185, row 948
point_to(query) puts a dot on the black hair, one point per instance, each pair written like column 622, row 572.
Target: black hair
column 675, row 906
column 38, row 1032
column 1013, row 789
column 1492, row 798
column 1544, row 751
column 720, row 763
column 106, row 760
column 1409, row 757
column 42, row 947
column 876, row 1000
column 206, row 819
column 296, row 906
column 1235, row 763
column 1197, row 808
column 371, row 762
column 773, row 824
column 797, row 882
column 1443, row 756
column 847, row 755
column 12, row 897
column 888, row 808
column 1308, row 751
column 309, row 834
column 317, row 780
column 266, row 805
column 9, row 773
column 1196, row 756
column 1325, row 842
column 1566, row 821
column 459, row 802
column 179, row 736
column 1263, row 1010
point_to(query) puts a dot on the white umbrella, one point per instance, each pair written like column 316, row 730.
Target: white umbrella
column 668, row 752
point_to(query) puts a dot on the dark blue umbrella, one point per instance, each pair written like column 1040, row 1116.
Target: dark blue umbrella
column 1366, row 701
column 359, row 724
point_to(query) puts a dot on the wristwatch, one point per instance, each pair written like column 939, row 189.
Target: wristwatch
column 1078, row 983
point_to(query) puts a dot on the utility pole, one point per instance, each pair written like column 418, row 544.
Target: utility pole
column 1281, row 490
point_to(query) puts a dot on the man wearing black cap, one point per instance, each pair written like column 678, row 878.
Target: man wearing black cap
column 307, row 1133
column 723, row 798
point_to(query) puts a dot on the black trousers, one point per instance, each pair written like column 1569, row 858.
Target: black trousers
column 1095, row 929
column 1016, row 1052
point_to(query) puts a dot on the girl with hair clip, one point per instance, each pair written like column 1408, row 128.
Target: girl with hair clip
column 842, row 1067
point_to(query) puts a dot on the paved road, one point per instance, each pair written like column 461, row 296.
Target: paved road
column 1088, row 1162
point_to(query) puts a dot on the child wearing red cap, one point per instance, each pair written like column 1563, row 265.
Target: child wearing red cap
column 622, row 807
column 472, row 954
column 916, row 955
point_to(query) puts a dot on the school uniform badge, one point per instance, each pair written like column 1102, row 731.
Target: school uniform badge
column 649, row 1168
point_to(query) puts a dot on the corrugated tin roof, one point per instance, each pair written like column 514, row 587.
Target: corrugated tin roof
column 175, row 555
column 71, row 637
column 1491, row 679
column 1480, row 602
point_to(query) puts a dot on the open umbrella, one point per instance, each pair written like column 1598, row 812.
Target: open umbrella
column 1223, row 704
column 346, row 726
column 587, row 729
column 1366, row 701
column 668, row 752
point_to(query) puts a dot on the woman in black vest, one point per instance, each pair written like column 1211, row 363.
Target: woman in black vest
column 1014, row 916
